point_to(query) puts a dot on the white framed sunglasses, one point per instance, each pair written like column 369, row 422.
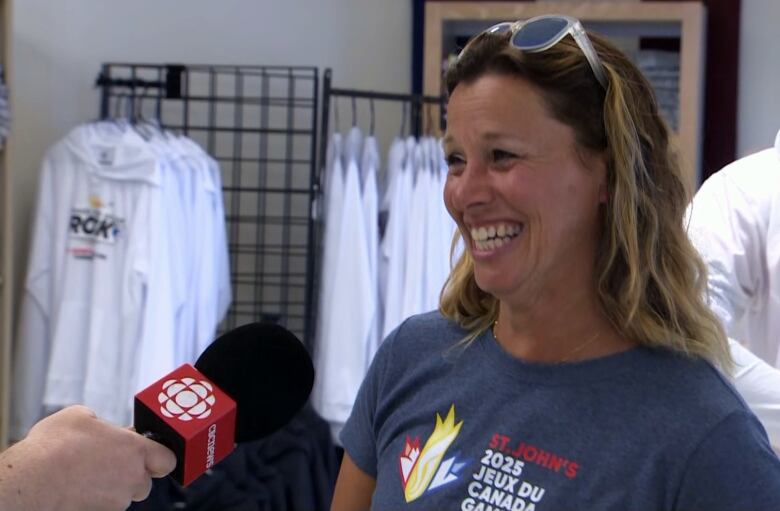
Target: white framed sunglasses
column 543, row 32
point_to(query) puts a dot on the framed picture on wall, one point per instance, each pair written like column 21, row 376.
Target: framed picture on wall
column 714, row 143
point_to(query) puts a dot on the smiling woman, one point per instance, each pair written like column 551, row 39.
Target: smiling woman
column 512, row 163
column 598, row 386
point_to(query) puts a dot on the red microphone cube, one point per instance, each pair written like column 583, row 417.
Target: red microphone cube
column 191, row 416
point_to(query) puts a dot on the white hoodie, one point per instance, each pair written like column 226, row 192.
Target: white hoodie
column 91, row 273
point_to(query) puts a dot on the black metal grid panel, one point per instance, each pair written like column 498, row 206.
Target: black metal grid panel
column 259, row 123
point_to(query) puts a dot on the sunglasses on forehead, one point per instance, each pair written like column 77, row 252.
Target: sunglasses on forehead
column 543, row 32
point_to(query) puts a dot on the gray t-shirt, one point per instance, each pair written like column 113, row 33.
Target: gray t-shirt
column 451, row 428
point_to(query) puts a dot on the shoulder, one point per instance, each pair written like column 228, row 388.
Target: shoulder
column 677, row 385
column 764, row 163
column 420, row 337
column 748, row 177
column 423, row 333
column 674, row 404
column 427, row 328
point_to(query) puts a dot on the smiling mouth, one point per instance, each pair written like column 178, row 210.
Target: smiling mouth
column 494, row 236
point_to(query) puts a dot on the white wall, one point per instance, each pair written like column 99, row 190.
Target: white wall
column 57, row 47
column 758, row 107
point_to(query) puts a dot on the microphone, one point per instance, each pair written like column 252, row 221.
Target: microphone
column 247, row 384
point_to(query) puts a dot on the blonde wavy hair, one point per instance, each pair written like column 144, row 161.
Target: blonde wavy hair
column 651, row 281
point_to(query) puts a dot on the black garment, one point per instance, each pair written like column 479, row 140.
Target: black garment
column 294, row 469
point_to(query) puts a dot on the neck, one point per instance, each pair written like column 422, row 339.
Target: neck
column 553, row 329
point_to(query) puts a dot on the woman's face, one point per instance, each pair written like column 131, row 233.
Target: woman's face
column 526, row 202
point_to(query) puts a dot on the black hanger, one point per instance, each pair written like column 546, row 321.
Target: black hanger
column 336, row 122
column 138, row 122
column 371, row 109
column 404, row 107
column 428, row 130
column 118, row 107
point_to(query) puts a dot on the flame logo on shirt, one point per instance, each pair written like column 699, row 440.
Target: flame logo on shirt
column 423, row 470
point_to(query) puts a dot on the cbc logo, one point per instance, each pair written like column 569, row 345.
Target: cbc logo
column 186, row 399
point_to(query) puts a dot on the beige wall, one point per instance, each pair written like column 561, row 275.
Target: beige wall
column 57, row 48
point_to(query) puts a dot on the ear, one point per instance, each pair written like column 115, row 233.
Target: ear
column 603, row 192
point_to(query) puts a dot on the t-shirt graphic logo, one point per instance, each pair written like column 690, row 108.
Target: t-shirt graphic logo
column 427, row 470
column 105, row 155
column 186, row 399
column 93, row 225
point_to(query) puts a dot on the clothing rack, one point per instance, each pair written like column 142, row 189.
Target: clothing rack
column 260, row 124
column 416, row 103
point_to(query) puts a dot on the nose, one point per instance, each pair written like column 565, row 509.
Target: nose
column 469, row 189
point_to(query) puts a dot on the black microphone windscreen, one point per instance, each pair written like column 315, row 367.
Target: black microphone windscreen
column 266, row 370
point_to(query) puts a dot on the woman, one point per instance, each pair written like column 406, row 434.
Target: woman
column 573, row 362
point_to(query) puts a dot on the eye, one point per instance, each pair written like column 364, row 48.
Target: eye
column 501, row 156
column 455, row 163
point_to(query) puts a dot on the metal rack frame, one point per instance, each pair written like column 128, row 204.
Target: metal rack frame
column 260, row 124
column 416, row 102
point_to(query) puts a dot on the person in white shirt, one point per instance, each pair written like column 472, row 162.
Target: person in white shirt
column 73, row 461
column 735, row 225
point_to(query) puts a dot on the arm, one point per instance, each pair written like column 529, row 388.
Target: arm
column 759, row 385
column 726, row 231
column 357, row 478
column 353, row 488
column 72, row 461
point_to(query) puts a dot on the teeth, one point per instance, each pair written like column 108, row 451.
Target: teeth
column 494, row 231
column 494, row 237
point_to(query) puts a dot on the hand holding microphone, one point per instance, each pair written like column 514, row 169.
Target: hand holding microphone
column 73, row 461
column 246, row 385
column 260, row 375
